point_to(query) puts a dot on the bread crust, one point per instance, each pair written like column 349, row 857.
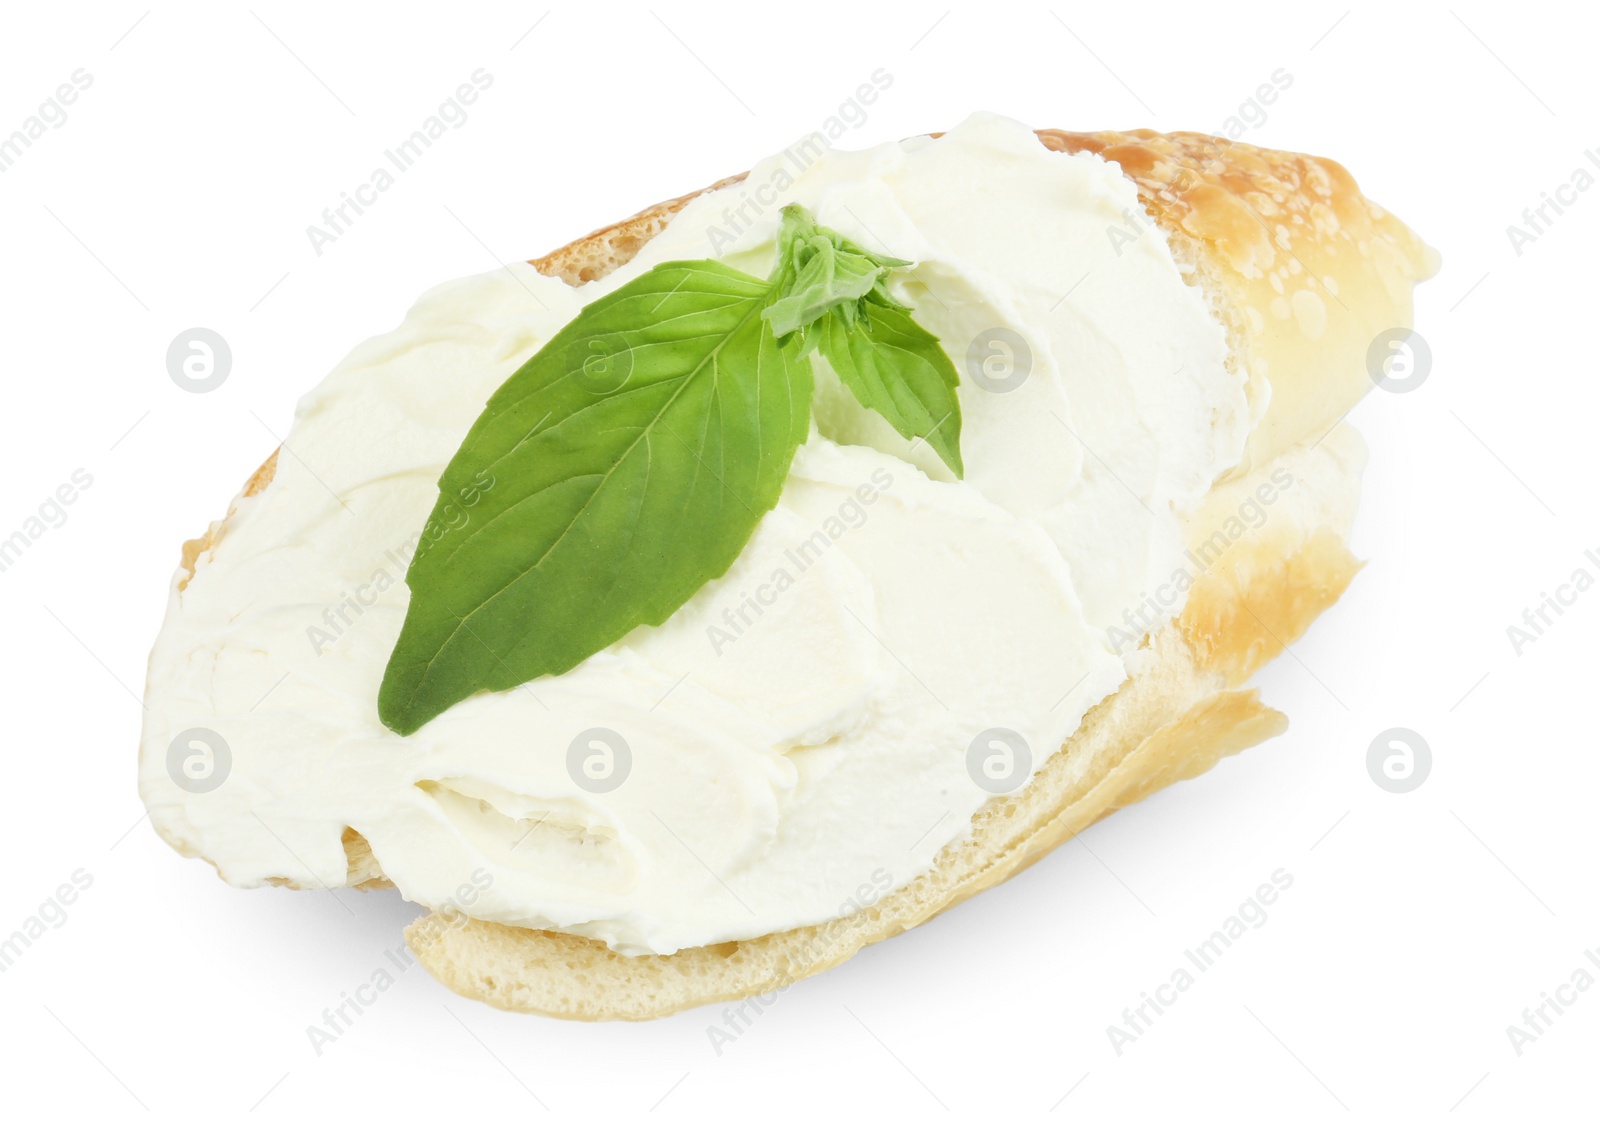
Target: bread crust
column 1246, row 223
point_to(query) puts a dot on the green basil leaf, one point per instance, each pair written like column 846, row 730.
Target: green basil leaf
column 895, row 366
column 631, row 460
column 820, row 270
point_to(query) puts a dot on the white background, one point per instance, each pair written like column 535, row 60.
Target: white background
column 1418, row 927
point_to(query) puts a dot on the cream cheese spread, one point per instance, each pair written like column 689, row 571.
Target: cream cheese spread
column 806, row 724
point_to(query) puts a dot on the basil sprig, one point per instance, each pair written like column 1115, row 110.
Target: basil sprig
column 635, row 454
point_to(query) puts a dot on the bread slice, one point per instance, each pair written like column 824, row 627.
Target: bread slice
column 1250, row 227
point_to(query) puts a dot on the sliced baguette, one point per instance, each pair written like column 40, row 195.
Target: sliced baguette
column 1303, row 272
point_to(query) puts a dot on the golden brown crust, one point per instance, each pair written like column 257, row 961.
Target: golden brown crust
column 258, row 481
column 594, row 255
column 1214, row 727
column 194, row 547
column 1312, row 269
column 1243, row 612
